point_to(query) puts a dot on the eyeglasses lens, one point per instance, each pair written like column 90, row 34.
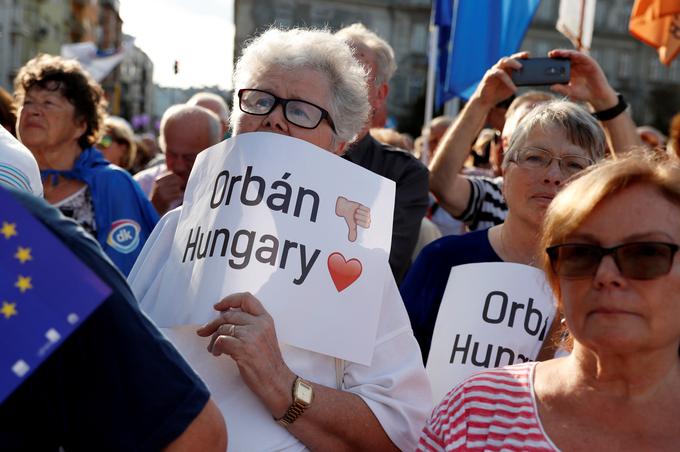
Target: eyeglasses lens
column 644, row 260
column 540, row 158
column 300, row 113
column 256, row 102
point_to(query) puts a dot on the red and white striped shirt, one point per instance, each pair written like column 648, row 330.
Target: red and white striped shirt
column 492, row 410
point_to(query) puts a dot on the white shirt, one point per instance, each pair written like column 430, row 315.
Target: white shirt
column 146, row 178
column 18, row 168
column 395, row 386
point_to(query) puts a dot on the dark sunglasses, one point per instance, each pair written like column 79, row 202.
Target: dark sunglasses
column 299, row 112
column 636, row 260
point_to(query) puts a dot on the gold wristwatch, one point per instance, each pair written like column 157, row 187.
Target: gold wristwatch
column 303, row 394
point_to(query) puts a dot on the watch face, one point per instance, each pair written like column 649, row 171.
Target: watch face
column 304, row 392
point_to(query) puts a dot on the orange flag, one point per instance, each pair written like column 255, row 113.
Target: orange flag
column 657, row 23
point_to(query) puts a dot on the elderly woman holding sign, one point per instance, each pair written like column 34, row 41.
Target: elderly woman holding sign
column 611, row 240
column 307, row 85
column 552, row 143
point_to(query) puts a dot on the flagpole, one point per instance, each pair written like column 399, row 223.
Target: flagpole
column 579, row 39
column 431, row 73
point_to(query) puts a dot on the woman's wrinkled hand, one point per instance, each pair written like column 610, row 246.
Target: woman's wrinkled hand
column 245, row 332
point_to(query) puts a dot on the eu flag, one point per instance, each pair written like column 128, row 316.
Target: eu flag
column 473, row 35
column 45, row 293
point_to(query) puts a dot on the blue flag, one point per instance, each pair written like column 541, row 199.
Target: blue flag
column 476, row 34
column 45, row 293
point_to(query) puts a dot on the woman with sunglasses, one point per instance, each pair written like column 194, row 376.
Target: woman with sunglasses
column 60, row 116
column 611, row 241
column 118, row 143
column 552, row 143
column 305, row 84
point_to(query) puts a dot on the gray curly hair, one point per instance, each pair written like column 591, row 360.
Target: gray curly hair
column 579, row 126
column 319, row 50
column 384, row 55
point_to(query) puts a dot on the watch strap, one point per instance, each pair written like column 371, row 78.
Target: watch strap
column 613, row 112
column 295, row 409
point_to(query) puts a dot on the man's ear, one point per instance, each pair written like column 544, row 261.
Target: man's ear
column 383, row 91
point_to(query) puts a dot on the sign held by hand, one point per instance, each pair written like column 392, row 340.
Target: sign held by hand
column 254, row 220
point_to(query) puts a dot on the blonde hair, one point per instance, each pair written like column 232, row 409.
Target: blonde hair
column 121, row 131
column 384, row 55
column 573, row 205
column 579, row 126
column 533, row 97
column 391, row 137
column 674, row 136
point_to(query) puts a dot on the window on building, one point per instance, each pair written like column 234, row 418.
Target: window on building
column 675, row 71
column 547, row 10
column 625, row 65
column 542, row 49
column 416, row 86
column 601, row 12
column 284, row 13
column 418, row 37
column 655, row 69
column 596, row 55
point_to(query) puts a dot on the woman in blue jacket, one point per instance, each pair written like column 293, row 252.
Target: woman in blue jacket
column 60, row 115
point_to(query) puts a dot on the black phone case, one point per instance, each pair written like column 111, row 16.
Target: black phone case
column 542, row 71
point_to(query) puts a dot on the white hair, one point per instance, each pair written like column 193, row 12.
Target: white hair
column 319, row 50
column 199, row 97
column 384, row 55
column 579, row 126
column 191, row 112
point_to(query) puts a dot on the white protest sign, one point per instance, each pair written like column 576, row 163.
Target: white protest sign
column 492, row 314
column 307, row 232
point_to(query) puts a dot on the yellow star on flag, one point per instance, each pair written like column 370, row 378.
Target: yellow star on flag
column 23, row 254
column 8, row 229
column 8, row 309
column 23, row 283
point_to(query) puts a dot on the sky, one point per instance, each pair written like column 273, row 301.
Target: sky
column 199, row 34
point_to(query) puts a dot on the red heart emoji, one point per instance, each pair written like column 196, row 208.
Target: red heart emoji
column 343, row 272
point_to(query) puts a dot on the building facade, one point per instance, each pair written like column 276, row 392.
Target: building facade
column 404, row 24
column 30, row 27
column 137, row 89
column 165, row 97
column 633, row 68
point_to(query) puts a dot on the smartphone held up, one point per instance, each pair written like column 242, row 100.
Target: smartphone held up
column 542, row 71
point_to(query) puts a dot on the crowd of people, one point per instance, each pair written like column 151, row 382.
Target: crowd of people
column 561, row 181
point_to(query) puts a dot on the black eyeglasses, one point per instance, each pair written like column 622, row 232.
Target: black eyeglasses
column 636, row 260
column 299, row 112
column 536, row 158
